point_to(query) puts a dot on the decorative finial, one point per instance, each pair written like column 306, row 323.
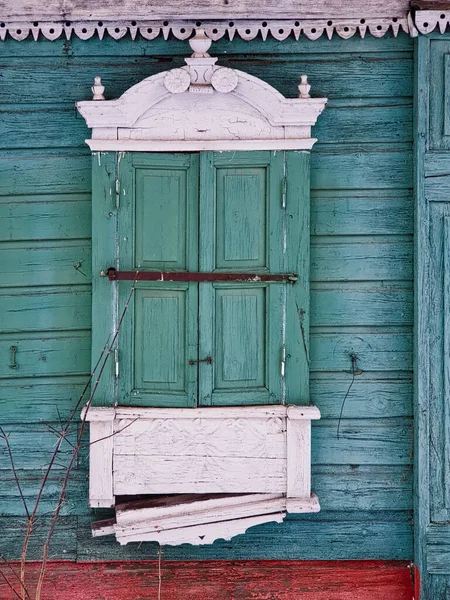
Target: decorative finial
column 98, row 89
column 200, row 44
column 304, row 87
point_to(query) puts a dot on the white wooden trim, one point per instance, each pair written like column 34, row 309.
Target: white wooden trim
column 193, row 146
column 312, row 23
column 186, row 519
column 298, row 456
column 427, row 21
column 197, row 513
column 201, row 106
column 303, row 505
column 101, row 453
column 213, row 412
column 65, row 10
column 232, row 450
column 201, row 534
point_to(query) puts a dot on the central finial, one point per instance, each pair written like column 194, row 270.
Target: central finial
column 200, row 44
column 201, row 75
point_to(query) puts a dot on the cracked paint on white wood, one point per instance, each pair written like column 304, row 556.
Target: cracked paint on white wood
column 174, row 112
column 263, row 451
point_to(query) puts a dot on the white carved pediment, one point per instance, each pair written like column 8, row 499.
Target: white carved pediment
column 202, row 106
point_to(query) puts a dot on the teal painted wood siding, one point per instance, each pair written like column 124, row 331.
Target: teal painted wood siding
column 361, row 283
column 432, row 461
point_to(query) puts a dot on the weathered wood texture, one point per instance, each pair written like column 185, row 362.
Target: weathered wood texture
column 361, row 301
column 203, row 9
column 244, row 580
column 432, row 481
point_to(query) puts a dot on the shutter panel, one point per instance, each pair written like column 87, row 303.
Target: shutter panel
column 241, row 230
column 158, row 226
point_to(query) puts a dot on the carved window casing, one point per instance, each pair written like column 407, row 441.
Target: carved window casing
column 238, row 456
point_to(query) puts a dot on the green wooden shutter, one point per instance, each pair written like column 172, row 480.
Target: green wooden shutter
column 158, row 225
column 212, row 212
column 241, row 324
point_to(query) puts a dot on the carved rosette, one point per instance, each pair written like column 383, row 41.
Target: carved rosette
column 224, row 80
column 177, row 81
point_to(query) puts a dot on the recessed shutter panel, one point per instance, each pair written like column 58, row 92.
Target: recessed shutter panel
column 241, row 231
column 158, row 232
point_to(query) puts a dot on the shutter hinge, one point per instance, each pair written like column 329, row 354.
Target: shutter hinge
column 117, row 192
column 116, row 362
column 283, row 360
column 283, row 192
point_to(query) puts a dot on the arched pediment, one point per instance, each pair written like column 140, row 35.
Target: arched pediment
column 201, row 106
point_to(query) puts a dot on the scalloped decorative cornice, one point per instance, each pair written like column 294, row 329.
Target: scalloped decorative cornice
column 247, row 29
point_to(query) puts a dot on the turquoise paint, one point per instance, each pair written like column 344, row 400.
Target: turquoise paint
column 361, row 225
column 432, row 380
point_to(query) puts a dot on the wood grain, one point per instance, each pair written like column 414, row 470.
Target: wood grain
column 46, row 309
column 362, row 178
column 202, row 9
column 222, row 580
column 51, row 217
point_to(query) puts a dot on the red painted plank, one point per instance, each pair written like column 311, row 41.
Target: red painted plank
column 221, row 580
column 417, row 583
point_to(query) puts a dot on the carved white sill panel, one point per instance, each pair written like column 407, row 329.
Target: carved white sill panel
column 262, row 453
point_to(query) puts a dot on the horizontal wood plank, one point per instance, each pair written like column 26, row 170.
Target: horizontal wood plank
column 436, row 164
column 357, row 213
column 109, row 47
column 203, row 9
column 369, row 397
column 38, row 356
column 282, row 580
column 375, row 351
column 349, row 168
column 362, row 123
column 38, row 172
column 350, row 305
column 40, row 126
column 438, row 549
column 31, row 480
column 33, row 447
column 63, row 544
column 45, row 263
column 437, row 188
column 373, row 441
column 363, row 487
column 45, row 217
column 45, row 399
column 361, row 259
column 46, row 309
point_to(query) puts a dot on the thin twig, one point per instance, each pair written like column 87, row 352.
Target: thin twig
column 16, row 478
column 63, row 432
column 32, row 517
column 110, row 435
column 10, row 585
column 16, row 575
column 78, row 444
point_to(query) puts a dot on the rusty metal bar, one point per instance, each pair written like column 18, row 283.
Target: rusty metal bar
column 114, row 275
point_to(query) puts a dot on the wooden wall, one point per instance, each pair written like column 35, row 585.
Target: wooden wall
column 362, row 262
